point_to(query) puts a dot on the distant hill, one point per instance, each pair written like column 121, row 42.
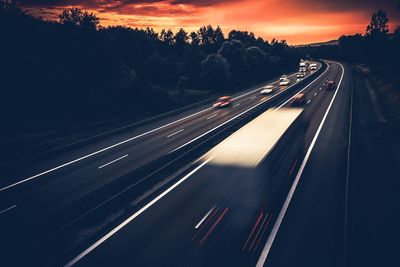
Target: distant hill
column 331, row 42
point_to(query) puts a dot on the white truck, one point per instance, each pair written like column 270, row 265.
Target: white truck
column 303, row 66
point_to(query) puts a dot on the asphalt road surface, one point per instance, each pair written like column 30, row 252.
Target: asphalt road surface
column 210, row 214
column 219, row 215
column 34, row 192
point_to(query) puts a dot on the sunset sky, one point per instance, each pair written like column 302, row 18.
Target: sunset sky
column 298, row 22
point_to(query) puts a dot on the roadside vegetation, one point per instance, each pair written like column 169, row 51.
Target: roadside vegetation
column 60, row 76
column 74, row 68
column 376, row 47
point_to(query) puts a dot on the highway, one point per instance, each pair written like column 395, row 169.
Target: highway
column 215, row 214
column 206, row 213
column 35, row 195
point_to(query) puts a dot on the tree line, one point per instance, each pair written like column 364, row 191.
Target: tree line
column 59, row 71
column 377, row 46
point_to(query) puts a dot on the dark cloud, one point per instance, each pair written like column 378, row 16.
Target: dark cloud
column 114, row 3
column 172, row 7
column 350, row 5
column 200, row 2
column 338, row 5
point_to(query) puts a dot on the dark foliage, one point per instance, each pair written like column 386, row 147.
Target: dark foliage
column 377, row 47
column 55, row 73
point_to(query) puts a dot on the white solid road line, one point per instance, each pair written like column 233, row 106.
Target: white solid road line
column 346, row 202
column 99, row 151
column 136, row 214
column 7, row 209
column 181, row 130
column 204, row 218
column 274, row 231
column 212, row 116
column 284, row 103
column 111, row 162
column 247, row 110
column 116, row 145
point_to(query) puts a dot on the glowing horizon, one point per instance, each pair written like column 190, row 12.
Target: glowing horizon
column 309, row 22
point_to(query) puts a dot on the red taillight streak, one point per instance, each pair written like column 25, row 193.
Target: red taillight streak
column 291, row 170
column 258, row 232
column 252, row 230
column 213, row 226
column 204, row 224
column 265, row 228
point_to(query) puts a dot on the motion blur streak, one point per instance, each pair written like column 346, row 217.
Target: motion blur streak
column 136, row 214
column 285, row 206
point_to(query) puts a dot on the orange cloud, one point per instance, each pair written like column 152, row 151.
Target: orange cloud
column 297, row 22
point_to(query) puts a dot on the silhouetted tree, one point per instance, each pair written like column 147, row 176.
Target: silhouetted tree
column 379, row 24
column 167, row 36
column 246, row 38
column 9, row 8
column 236, row 55
column 181, row 38
column 151, row 34
column 194, row 38
column 210, row 39
column 215, row 73
column 47, row 67
column 257, row 60
column 77, row 18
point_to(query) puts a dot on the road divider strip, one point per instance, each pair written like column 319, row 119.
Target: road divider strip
column 111, row 162
column 212, row 116
column 170, row 135
column 204, row 218
column 7, row 209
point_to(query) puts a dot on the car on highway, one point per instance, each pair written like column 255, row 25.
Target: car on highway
column 267, row 90
column 313, row 66
column 283, row 77
column 303, row 66
column 298, row 100
column 223, row 101
column 331, row 85
column 284, row 82
column 300, row 75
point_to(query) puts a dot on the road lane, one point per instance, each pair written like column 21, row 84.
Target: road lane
column 38, row 199
column 317, row 211
column 152, row 133
column 142, row 150
column 168, row 228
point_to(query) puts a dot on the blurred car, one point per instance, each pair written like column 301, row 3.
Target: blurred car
column 266, row 90
column 300, row 75
column 223, row 101
column 313, row 66
column 298, row 99
column 331, row 85
column 284, row 82
column 283, row 77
